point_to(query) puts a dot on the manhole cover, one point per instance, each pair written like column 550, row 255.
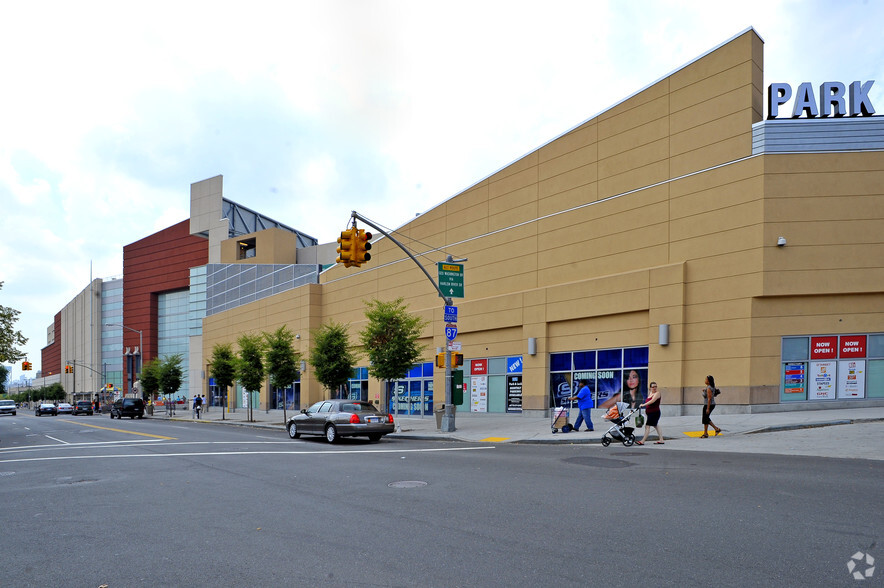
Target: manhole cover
column 407, row 484
column 599, row 462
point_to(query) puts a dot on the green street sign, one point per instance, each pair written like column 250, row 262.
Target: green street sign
column 451, row 279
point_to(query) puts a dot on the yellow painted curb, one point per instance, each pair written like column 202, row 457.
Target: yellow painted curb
column 495, row 439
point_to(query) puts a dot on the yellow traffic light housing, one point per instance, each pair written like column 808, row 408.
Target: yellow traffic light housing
column 440, row 360
column 26, row 365
column 362, row 246
column 346, row 248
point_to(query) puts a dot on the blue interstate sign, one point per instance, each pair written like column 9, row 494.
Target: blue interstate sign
column 450, row 314
column 450, row 332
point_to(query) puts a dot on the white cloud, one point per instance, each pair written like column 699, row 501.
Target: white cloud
column 311, row 109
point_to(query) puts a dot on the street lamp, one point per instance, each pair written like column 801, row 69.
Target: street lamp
column 140, row 344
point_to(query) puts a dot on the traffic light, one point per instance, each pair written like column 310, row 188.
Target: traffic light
column 26, row 365
column 346, row 248
column 361, row 255
column 456, row 360
column 68, row 369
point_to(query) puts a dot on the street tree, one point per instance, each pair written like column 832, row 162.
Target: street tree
column 170, row 374
column 250, row 365
column 390, row 339
column 10, row 339
column 150, row 377
column 4, row 375
column 222, row 367
column 281, row 360
column 331, row 356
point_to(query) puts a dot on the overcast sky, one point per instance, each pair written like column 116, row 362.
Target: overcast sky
column 110, row 110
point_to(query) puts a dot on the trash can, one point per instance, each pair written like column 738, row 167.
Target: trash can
column 439, row 411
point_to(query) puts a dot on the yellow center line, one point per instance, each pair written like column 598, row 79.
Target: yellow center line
column 119, row 430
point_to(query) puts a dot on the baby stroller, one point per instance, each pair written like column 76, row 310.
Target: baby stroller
column 619, row 416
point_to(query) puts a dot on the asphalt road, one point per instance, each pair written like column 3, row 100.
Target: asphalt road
column 87, row 501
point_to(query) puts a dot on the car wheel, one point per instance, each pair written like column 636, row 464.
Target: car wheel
column 132, row 417
column 375, row 437
column 293, row 431
column 331, row 434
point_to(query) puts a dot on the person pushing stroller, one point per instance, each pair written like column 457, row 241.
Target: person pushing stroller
column 584, row 405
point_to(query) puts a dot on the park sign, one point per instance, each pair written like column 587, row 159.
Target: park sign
column 451, row 279
column 835, row 99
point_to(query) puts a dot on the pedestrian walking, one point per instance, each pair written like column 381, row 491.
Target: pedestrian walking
column 708, row 407
column 197, row 405
column 584, row 406
column 205, row 404
column 652, row 411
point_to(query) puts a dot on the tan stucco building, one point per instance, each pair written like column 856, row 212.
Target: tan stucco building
column 678, row 233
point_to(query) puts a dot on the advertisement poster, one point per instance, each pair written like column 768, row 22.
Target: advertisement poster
column 793, row 378
column 560, row 389
column 607, row 388
column 479, row 394
column 822, row 380
column 514, row 393
column 852, row 378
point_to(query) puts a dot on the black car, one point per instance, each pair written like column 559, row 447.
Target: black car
column 82, row 407
column 45, row 408
column 341, row 418
column 127, row 407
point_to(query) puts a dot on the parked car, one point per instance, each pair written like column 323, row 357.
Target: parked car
column 64, row 408
column 7, row 407
column 82, row 407
column 45, row 408
column 127, row 407
column 341, row 418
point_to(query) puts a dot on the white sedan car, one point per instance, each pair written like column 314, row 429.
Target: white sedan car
column 65, row 408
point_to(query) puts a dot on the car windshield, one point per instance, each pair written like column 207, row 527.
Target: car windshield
column 7, row 402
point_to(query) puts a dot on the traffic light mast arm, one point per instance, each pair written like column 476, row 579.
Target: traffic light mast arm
column 74, row 362
column 356, row 215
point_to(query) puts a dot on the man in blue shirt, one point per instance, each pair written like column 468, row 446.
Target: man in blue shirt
column 584, row 405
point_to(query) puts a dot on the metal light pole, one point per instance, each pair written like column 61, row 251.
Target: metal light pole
column 140, row 345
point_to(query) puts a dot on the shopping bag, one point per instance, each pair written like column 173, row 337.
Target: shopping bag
column 639, row 421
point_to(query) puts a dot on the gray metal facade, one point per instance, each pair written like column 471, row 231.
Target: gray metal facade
column 231, row 285
column 818, row 135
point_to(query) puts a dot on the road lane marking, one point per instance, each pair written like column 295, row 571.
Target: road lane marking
column 57, row 440
column 238, row 453
column 118, row 430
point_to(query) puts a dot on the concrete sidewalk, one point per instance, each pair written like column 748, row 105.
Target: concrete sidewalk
column 680, row 432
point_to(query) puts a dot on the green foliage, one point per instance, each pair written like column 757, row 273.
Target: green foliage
column 281, row 358
column 331, row 356
column 170, row 374
column 10, row 339
column 250, row 367
column 390, row 339
column 4, row 375
column 150, row 376
column 222, row 367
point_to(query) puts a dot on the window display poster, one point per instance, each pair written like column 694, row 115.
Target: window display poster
column 822, row 380
column 607, row 387
column 852, row 378
column 514, row 393
column 479, row 394
column 793, row 378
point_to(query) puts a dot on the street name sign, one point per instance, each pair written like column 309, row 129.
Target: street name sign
column 451, row 279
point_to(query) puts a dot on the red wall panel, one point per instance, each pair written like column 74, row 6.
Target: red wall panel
column 50, row 356
column 156, row 264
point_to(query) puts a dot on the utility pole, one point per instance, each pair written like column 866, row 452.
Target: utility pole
column 448, row 419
